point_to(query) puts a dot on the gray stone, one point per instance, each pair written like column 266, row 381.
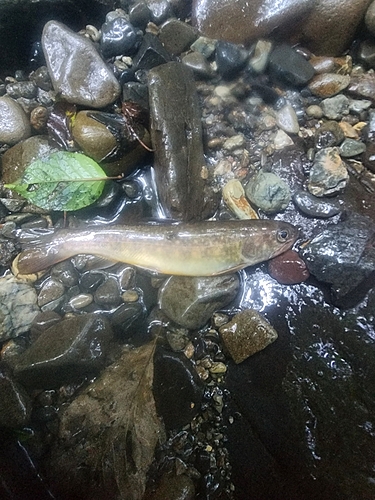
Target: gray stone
column 205, row 46
column 334, row 108
column 198, row 64
column 247, row 333
column 287, row 120
column 68, row 349
column 18, row 307
column 370, row 18
column 14, row 124
column 190, row 302
column 50, row 291
column 177, row 36
column 76, row 69
column 328, row 174
column 351, row 147
column 260, row 57
column 316, row 207
column 268, row 192
column 108, row 293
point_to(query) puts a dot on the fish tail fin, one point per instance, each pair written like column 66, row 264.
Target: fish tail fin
column 39, row 255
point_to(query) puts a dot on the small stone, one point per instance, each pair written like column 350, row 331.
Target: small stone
column 160, row 10
column 190, row 302
column 328, row 134
column 268, row 192
column 358, row 106
column 260, row 56
column 366, row 53
column 288, row 268
column 38, row 118
column 351, row 147
column 287, row 120
column 126, row 314
column 282, row 140
column 363, row 86
column 108, row 293
column 74, row 66
column 119, row 37
column 66, row 273
column 234, row 142
column 314, row 111
column 230, row 58
column 349, row 130
column 50, row 291
column 234, row 197
column 8, row 251
column 246, row 334
column 14, row 124
column 290, row 66
column 328, row 84
column 81, row 301
column 139, row 15
column 205, row 46
column 323, row 64
column 218, row 367
column 18, row 307
column 178, row 340
column 176, row 36
column 41, row 78
column 198, row 64
column 328, row 174
column 316, row 207
column 151, row 53
column 130, row 296
column 335, row 108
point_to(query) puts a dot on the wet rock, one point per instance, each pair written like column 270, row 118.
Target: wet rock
column 363, row 86
column 177, row 388
column 260, row 57
column 67, row 350
column 14, row 124
column 160, row 10
column 15, row 404
column 139, row 15
column 329, row 134
column 328, row 84
column 177, row 36
column 234, row 197
column 351, row 147
column 108, row 293
column 198, row 64
column 41, row 78
column 42, row 322
column 246, row 334
column 8, row 250
column 176, row 134
column 151, row 53
column 90, row 280
column 18, row 307
column 74, row 65
column 343, row 254
column 81, row 301
column 39, row 118
column 366, row 53
column 282, row 140
column 291, row 165
column 316, row 207
column 125, row 315
column 175, row 487
column 242, row 21
column 50, row 291
column 336, row 107
column 119, row 37
column 288, row 65
column 358, row 106
column 287, row 120
column 328, row 174
column 25, row 89
column 314, row 111
column 268, row 192
column 66, row 273
column 288, row 268
column 190, row 302
column 234, row 142
column 205, row 46
column 230, row 58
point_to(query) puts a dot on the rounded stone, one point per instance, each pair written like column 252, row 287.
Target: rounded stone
column 328, row 84
column 287, row 120
column 230, row 58
column 288, row 268
column 14, row 124
column 334, row 108
column 287, row 64
column 316, row 207
column 370, row 18
column 268, row 192
column 119, row 37
column 351, row 147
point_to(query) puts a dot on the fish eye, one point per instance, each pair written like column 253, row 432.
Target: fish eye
column 282, row 235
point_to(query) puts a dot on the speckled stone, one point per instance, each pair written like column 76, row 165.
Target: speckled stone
column 351, row 147
column 328, row 174
column 14, row 124
column 328, row 84
column 268, row 192
column 246, row 334
column 334, row 108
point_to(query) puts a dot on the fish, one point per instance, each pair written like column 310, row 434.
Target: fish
column 208, row 248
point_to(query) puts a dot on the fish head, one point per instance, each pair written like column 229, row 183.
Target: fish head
column 272, row 238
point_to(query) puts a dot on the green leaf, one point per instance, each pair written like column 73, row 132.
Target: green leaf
column 62, row 181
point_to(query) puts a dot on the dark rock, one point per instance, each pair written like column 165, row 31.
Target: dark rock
column 90, row 280
column 67, row 350
column 14, row 124
column 41, row 78
column 151, row 53
column 42, row 322
column 177, row 36
column 367, row 53
column 329, row 134
column 139, row 14
column 363, row 86
column 108, row 293
column 291, row 165
column 288, row 268
column 230, row 58
column 73, row 64
column 50, row 291
column 176, row 133
column 125, row 315
column 175, row 487
column 177, row 388
column 198, row 64
column 15, row 404
column 136, row 92
column 119, row 37
column 190, row 302
column 66, row 273
column 8, row 250
column 287, row 64
column 246, row 334
column 21, row 89
column 316, row 207
column 343, row 254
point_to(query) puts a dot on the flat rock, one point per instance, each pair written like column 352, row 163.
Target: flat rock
column 76, row 69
